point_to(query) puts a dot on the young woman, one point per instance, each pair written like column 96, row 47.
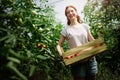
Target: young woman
column 77, row 33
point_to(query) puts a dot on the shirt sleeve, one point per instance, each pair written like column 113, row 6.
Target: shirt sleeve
column 64, row 32
column 87, row 27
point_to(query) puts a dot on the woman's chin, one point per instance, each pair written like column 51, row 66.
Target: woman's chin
column 72, row 19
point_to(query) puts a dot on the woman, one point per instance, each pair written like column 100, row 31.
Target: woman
column 77, row 33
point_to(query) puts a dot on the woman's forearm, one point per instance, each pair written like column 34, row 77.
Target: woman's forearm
column 59, row 49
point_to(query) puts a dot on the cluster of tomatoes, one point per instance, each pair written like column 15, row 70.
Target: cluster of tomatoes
column 41, row 45
column 73, row 55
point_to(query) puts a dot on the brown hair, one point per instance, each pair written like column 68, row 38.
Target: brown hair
column 78, row 17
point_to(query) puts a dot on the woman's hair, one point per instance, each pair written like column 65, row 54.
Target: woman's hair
column 78, row 17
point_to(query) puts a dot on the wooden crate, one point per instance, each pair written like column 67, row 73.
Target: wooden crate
column 85, row 51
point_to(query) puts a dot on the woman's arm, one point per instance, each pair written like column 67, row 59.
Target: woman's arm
column 90, row 36
column 62, row 38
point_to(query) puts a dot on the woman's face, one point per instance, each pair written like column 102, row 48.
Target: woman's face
column 71, row 13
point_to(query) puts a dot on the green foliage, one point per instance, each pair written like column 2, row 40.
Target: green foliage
column 28, row 38
column 103, row 17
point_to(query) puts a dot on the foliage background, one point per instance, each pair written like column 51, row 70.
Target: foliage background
column 104, row 18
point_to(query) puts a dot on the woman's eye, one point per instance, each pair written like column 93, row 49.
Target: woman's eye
column 69, row 12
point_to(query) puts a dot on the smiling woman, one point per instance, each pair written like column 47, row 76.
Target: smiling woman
column 77, row 33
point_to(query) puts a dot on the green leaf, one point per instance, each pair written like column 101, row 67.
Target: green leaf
column 41, row 57
column 12, row 52
column 14, row 59
column 4, row 38
column 32, row 70
column 11, row 66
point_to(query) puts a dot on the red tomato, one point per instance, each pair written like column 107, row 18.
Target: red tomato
column 67, row 57
column 76, row 54
column 43, row 46
column 38, row 44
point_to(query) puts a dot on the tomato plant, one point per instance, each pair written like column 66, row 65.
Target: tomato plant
column 28, row 39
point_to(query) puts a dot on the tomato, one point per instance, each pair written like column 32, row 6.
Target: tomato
column 101, row 32
column 43, row 46
column 71, row 56
column 38, row 44
column 67, row 57
column 76, row 54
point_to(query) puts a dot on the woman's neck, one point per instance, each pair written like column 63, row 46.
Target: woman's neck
column 74, row 22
